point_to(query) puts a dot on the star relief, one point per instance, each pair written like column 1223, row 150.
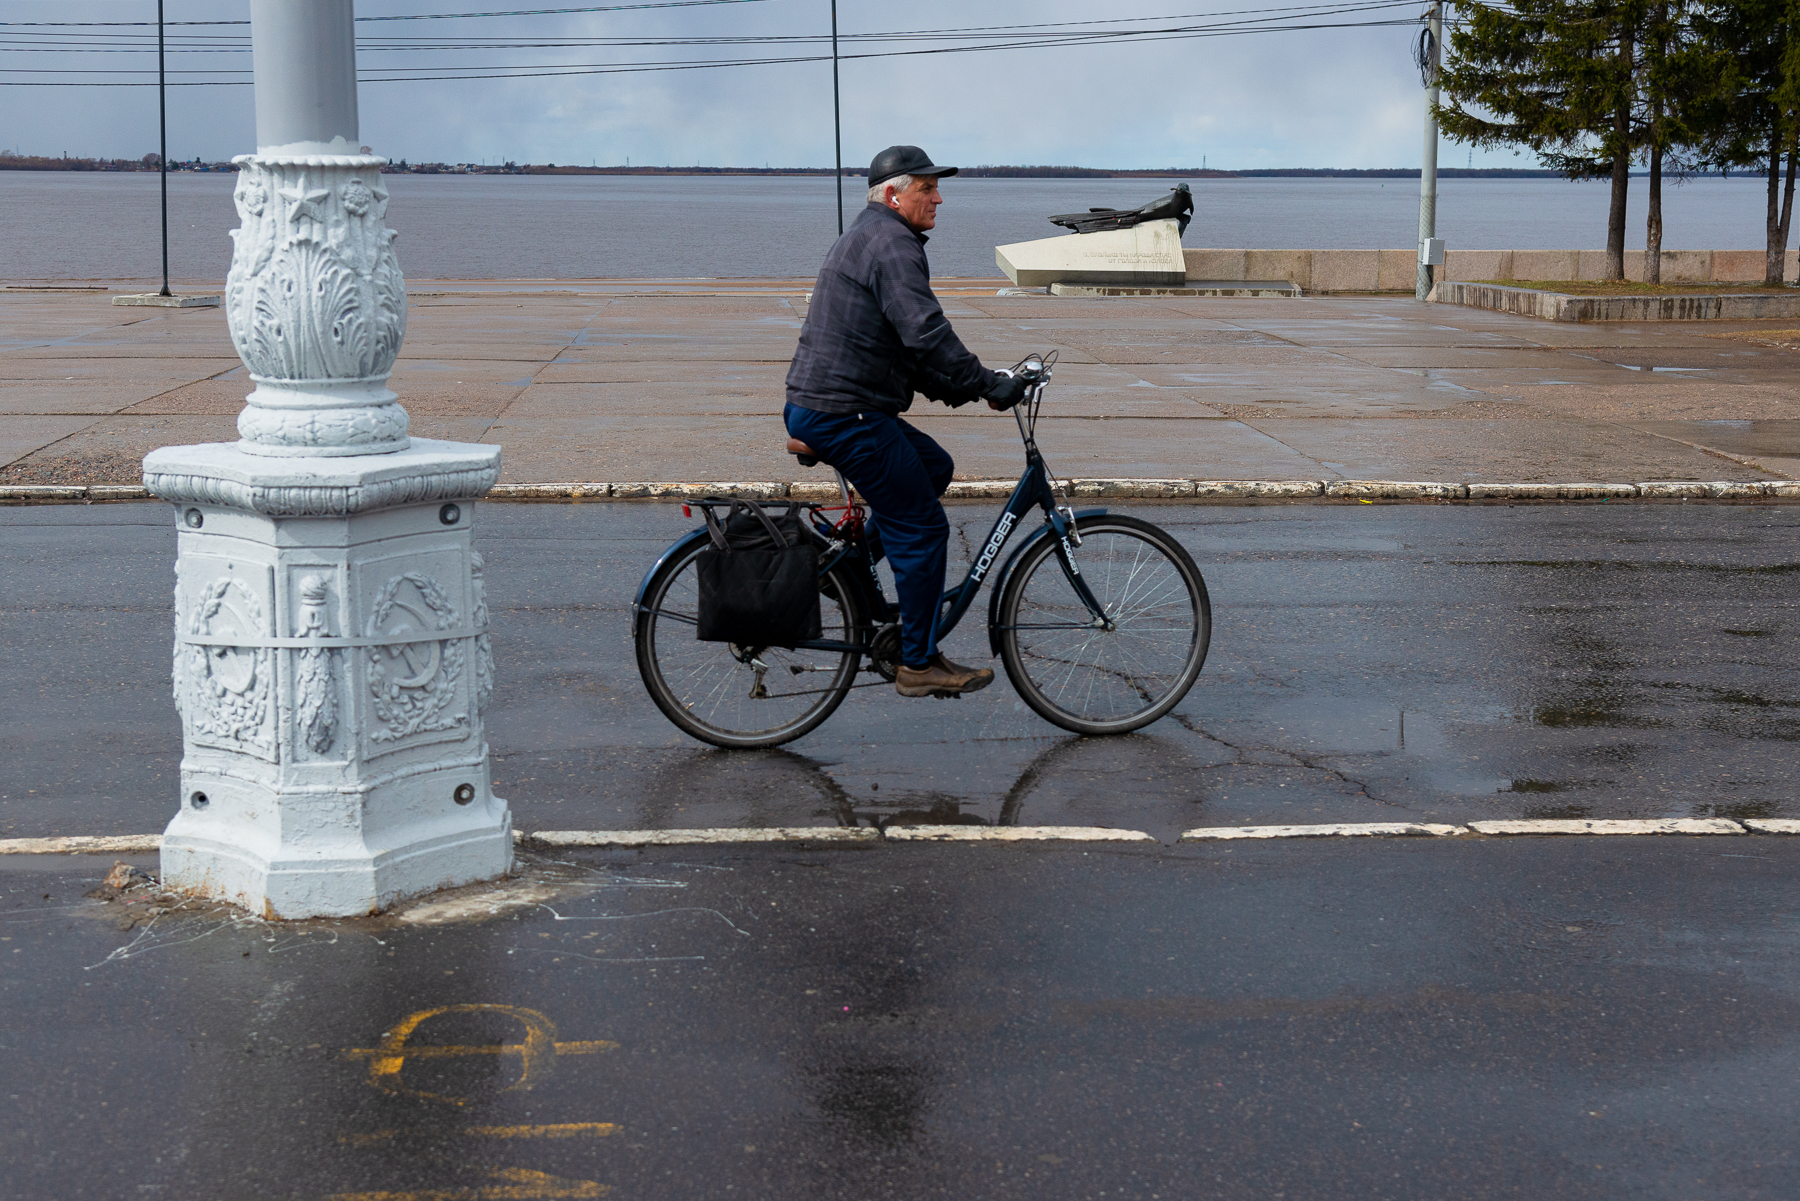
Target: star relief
column 305, row 204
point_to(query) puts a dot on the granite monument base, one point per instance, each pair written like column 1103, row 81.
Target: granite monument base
column 1147, row 254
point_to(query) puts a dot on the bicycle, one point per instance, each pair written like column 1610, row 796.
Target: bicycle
column 1105, row 646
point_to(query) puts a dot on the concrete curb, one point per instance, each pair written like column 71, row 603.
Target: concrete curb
column 1190, row 489
column 865, row 835
column 1079, row 488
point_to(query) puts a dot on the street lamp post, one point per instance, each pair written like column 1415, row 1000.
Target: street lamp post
column 837, row 120
column 331, row 651
column 1429, row 247
column 162, row 146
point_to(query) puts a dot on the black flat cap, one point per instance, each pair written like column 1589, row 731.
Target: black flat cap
column 904, row 160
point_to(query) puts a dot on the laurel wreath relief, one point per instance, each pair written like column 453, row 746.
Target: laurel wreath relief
column 227, row 687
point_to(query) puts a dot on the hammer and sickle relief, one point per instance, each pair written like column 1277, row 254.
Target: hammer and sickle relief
column 417, row 661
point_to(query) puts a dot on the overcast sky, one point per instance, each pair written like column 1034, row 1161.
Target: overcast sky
column 1320, row 98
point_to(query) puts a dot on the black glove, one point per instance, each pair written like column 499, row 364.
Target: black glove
column 1008, row 390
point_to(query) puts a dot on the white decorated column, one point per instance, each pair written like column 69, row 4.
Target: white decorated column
column 331, row 649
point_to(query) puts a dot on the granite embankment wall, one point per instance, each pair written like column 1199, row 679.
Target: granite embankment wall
column 1395, row 270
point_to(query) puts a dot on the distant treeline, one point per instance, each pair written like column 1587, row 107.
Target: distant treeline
column 40, row 162
column 16, row 162
column 1394, row 173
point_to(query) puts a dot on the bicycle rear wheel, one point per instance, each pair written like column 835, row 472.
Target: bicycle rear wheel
column 1106, row 681
column 734, row 696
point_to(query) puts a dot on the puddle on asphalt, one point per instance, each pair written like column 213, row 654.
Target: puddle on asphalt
column 1324, row 725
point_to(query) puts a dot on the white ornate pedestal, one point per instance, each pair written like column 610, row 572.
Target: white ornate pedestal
column 331, row 667
column 331, row 649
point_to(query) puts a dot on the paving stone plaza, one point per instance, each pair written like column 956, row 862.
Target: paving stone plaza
column 608, row 383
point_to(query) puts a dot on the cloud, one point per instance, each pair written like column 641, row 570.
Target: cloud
column 1326, row 98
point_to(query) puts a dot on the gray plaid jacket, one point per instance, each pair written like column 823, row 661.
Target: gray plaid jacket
column 875, row 334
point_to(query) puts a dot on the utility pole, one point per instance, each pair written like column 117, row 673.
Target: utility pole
column 1430, row 58
column 837, row 120
column 162, row 121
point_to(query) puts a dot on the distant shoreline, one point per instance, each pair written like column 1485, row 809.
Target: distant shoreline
column 11, row 162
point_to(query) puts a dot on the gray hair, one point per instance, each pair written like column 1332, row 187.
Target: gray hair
column 878, row 193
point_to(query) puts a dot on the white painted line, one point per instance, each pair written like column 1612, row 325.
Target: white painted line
column 1773, row 825
column 111, row 844
column 1013, row 834
column 669, row 838
column 1337, row 830
column 1672, row 825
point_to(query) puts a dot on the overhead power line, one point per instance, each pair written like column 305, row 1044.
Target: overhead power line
column 977, row 39
column 517, row 12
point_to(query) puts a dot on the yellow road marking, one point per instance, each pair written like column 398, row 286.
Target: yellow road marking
column 554, row 1130
column 446, row 1051
column 523, row 1185
column 536, row 1052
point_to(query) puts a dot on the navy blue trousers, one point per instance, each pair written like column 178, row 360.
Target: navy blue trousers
column 901, row 473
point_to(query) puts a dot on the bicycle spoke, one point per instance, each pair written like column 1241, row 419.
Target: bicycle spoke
column 1084, row 676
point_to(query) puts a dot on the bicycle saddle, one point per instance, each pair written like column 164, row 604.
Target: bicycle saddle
column 803, row 452
column 1179, row 204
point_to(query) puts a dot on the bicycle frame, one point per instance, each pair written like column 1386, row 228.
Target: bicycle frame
column 1033, row 491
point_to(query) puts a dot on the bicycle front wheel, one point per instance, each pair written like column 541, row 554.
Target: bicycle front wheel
column 739, row 697
column 1095, row 680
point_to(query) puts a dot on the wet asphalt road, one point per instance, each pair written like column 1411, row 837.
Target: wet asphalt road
column 1474, row 1018
column 1369, row 662
column 1571, row 1018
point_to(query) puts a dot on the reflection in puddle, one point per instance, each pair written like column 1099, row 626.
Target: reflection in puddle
column 1739, row 810
column 1565, row 717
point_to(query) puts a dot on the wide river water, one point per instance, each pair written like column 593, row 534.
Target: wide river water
column 66, row 225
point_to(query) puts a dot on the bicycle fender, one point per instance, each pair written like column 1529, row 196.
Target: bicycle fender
column 675, row 548
column 1006, row 569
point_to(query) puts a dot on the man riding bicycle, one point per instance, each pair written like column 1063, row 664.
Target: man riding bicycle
column 874, row 335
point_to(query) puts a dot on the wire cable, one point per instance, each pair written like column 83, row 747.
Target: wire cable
column 1049, row 35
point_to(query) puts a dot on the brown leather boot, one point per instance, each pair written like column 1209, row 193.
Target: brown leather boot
column 941, row 678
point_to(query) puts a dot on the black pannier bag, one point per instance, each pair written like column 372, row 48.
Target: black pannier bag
column 759, row 580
